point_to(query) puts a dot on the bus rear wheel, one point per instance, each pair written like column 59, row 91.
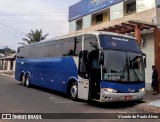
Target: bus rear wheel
column 28, row 81
column 74, row 91
column 23, row 80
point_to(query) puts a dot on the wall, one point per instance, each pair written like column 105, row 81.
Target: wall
column 148, row 49
column 146, row 16
column 86, row 21
column 143, row 5
column 158, row 16
column 116, row 11
column 72, row 26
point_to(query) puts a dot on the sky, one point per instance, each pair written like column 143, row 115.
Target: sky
column 18, row 17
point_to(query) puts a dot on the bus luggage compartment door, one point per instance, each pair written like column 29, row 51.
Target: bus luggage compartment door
column 83, row 88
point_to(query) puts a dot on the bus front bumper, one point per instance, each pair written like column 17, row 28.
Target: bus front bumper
column 117, row 97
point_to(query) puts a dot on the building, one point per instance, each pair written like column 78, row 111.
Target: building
column 8, row 62
column 138, row 18
column 1, row 55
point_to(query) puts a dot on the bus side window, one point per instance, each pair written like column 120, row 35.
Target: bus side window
column 50, row 49
column 78, row 45
column 60, row 50
column 90, row 42
column 70, row 46
column 73, row 46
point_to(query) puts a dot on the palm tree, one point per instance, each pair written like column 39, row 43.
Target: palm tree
column 33, row 37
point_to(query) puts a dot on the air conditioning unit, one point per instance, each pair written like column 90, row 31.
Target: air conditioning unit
column 143, row 42
column 154, row 20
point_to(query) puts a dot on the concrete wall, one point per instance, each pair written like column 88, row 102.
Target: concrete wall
column 146, row 16
column 148, row 49
column 157, row 17
column 8, row 65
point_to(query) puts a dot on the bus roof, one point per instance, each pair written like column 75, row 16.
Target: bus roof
column 79, row 34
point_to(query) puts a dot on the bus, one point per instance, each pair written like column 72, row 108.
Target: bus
column 95, row 66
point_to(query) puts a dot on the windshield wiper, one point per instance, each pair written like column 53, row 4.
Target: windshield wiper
column 134, row 70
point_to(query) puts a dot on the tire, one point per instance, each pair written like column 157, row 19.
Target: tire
column 28, row 81
column 23, row 79
column 74, row 91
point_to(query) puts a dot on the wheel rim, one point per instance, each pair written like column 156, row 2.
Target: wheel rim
column 27, row 81
column 74, row 91
column 23, row 80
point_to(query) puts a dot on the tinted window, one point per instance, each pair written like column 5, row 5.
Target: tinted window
column 118, row 42
column 60, row 50
column 65, row 47
column 73, row 46
column 39, row 51
column 131, row 7
column 50, row 49
column 99, row 18
column 90, row 42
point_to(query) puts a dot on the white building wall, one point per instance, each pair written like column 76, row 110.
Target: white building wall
column 87, row 21
column 72, row 26
column 9, row 65
column 148, row 49
column 143, row 5
column 116, row 11
column 14, row 65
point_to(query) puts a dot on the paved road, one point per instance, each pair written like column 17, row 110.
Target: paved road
column 15, row 98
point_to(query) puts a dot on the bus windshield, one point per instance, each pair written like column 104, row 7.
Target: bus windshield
column 123, row 66
column 118, row 43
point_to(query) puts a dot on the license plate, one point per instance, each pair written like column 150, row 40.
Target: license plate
column 128, row 97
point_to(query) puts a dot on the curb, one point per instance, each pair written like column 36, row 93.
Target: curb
column 7, row 75
column 151, row 109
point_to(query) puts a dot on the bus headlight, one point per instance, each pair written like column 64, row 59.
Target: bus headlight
column 110, row 90
column 142, row 90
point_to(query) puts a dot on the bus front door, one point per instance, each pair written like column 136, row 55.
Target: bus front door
column 94, row 74
column 83, row 81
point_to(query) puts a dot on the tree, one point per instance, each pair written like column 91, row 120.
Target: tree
column 33, row 37
column 7, row 51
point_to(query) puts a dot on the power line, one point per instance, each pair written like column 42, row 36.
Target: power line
column 13, row 29
column 36, row 20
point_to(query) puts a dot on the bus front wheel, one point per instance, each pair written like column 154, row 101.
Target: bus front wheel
column 74, row 91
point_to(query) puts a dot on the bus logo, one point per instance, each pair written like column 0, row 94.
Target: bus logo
column 113, row 44
column 110, row 1
column 96, row 3
column 131, row 90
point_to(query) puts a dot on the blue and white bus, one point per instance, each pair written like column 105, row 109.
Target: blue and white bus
column 100, row 66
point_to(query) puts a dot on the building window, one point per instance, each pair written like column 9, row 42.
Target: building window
column 79, row 24
column 99, row 18
column 131, row 7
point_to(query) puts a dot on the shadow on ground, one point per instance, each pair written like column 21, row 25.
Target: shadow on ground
column 110, row 105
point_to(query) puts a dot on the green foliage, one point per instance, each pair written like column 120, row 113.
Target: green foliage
column 7, row 50
column 33, row 37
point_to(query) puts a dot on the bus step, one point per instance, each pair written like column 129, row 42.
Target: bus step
column 96, row 100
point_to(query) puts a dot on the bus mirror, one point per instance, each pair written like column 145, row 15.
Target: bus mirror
column 144, row 59
column 101, row 60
